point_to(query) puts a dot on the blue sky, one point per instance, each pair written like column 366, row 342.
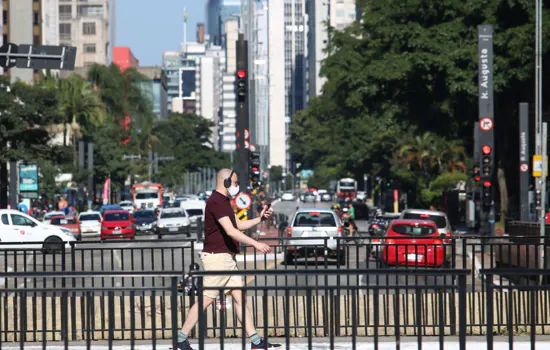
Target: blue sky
column 150, row 27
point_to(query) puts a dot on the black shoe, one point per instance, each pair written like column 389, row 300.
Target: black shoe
column 184, row 345
column 262, row 346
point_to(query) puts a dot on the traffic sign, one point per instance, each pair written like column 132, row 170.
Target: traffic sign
column 46, row 57
column 486, row 124
column 243, row 201
column 246, row 134
column 253, row 148
column 7, row 61
column 524, row 167
column 537, row 166
column 246, row 144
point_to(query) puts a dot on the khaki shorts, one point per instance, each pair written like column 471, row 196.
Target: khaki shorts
column 218, row 262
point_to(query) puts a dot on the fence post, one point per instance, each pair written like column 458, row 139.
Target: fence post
column 174, row 309
column 462, row 311
column 490, row 311
column 202, row 332
column 23, row 319
column 111, row 313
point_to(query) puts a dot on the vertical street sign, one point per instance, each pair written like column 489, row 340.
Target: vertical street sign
column 486, row 114
column 524, row 161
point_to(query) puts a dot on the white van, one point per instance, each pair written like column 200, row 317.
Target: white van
column 195, row 209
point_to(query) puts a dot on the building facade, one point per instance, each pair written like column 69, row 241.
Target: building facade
column 90, row 27
column 338, row 14
column 229, row 102
column 155, row 89
column 124, row 58
column 218, row 13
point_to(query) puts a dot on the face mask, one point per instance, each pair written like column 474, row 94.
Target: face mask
column 233, row 190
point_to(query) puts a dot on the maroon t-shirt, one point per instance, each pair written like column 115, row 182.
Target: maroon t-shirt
column 216, row 239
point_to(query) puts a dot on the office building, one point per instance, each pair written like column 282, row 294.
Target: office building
column 218, row 13
column 124, row 58
column 22, row 24
column 50, row 22
column 229, row 103
column 338, row 14
column 287, row 74
column 155, row 89
column 90, row 27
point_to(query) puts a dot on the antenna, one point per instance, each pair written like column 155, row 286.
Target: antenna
column 185, row 16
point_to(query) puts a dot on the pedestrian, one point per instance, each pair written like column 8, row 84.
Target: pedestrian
column 222, row 235
column 22, row 207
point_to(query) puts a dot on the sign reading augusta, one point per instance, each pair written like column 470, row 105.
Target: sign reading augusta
column 28, row 177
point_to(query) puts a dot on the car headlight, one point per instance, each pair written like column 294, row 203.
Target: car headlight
column 160, row 225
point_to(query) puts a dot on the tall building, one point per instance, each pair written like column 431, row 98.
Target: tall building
column 287, row 73
column 229, row 103
column 155, row 89
column 22, row 24
column 218, row 12
column 338, row 14
column 208, row 92
column 124, row 58
column 50, row 22
column 90, row 27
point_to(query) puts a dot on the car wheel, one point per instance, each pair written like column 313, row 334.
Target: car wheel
column 52, row 244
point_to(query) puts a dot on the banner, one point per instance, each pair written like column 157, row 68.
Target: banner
column 28, row 177
column 106, row 188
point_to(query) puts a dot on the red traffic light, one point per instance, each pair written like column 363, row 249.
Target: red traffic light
column 255, row 169
column 241, row 74
column 486, row 149
column 487, row 184
column 477, row 178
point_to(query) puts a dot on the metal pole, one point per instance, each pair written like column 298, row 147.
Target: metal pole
column 543, row 196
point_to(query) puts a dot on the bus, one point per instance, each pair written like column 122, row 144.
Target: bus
column 147, row 195
column 346, row 188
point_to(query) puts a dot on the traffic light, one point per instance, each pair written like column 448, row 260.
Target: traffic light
column 241, row 85
column 254, row 164
column 487, row 195
column 486, row 167
column 477, row 175
column 538, row 198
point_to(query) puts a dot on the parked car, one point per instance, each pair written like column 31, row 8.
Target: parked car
column 288, row 196
column 90, row 223
column 440, row 218
column 316, row 225
column 415, row 243
column 117, row 224
column 173, row 221
column 145, row 221
column 51, row 214
column 17, row 227
column 69, row 222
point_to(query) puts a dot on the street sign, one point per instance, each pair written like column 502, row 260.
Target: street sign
column 524, row 167
column 486, row 124
column 246, row 134
column 246, row 144
column 7, row 61
column 537, row 166
column 253, row 148
column 243, row 201
column 46, row 57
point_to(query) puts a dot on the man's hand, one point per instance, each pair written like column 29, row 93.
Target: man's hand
column 262, row 247
column 266, row 213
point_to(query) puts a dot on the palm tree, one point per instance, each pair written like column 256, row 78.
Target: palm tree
column 420, row 151
column 81, row 108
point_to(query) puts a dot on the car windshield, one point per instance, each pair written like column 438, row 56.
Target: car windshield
column 151, row 195
column 172, row 214
column 413, row 229
column 144, row 214
column 116, row 216
column 314, row 219
column 438, row 219
column 63, row 221
column 90, row 217
column 194, row 212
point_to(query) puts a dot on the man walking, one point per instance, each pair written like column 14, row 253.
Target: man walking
column 222, row 235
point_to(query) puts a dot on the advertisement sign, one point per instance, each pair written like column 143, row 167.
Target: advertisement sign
column 28, row 177
column 106, row 190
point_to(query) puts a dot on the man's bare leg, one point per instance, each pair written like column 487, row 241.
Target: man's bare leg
column 238, row 300
column 193, row 315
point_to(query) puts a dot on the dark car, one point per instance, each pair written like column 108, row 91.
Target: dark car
column 145, row 221
column 107, row 207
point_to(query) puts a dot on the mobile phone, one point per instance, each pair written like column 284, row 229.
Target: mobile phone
column 268, row 206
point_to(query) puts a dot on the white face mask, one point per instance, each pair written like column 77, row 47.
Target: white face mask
column 233, row 190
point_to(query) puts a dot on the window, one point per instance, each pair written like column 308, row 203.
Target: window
column 414, row 229
column 36, row 18
column 117, row 216
column 314, row 219
column 65, row 31
column 172, row 214
column 65, row 12
column 36, row 40
column 194, row 212
column 90, row 217
column 19, row 220
column 147, row 195
column 438, row 219
column 63, row 221
column 88, row 28
column 5, row 17
column 91, row 11
column 5, row 219
column 89, row 48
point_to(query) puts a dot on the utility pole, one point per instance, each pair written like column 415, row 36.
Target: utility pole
column 91, row 189
column 538, row 101
column 26, row 56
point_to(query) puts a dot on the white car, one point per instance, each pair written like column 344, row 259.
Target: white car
column 51, row 214
column 288, row 196
column 90, row 223
column 173, row 221
column 127, row 205
column 17, row 227
column 194, row 209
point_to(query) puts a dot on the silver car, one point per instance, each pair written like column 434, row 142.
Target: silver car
column 439, row 217
column 314, row 232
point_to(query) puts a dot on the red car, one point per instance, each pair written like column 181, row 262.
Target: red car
column 69, row 222
column 415, row 243
column 117, row 224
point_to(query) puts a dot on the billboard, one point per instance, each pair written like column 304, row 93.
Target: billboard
column 28, row 177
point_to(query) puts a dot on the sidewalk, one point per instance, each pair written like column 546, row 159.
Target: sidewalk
column 406, row 343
